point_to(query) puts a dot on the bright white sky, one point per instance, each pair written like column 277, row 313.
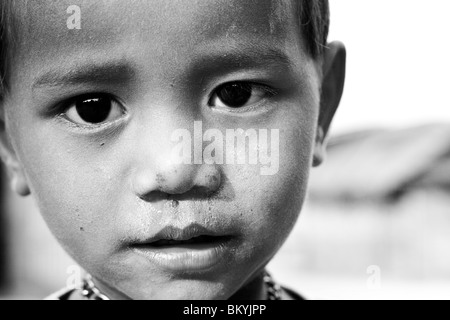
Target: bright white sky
column 398, row 67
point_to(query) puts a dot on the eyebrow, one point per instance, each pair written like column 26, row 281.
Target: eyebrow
column 119, row 72
column 217, row 59
column 247, row 56
column 114, row 72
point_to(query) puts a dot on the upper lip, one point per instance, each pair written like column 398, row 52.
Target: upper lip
column 173, row 233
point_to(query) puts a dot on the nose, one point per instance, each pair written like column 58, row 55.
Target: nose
column 156, row 168
column 177, row 180
column 171, row 178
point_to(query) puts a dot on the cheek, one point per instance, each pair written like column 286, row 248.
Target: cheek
column 272, row 203
column 74, row 193
column 72, row 200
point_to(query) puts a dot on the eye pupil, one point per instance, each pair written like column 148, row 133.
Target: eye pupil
column 235, row 95
column 94, row 110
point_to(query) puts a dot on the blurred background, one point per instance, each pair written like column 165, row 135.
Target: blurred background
column 376, row 224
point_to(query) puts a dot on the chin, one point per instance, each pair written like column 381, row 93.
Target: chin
column 182, row 291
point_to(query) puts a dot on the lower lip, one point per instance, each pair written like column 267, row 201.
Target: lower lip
column 185, row 258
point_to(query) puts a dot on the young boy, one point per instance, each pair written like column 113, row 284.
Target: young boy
column 101, row 102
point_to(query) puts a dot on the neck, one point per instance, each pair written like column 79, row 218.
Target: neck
column 255, row 289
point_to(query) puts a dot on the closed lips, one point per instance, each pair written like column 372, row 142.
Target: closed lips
column 198, row 240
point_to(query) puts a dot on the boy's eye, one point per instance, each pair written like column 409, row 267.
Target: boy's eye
column 94, row 110
column 238, row 95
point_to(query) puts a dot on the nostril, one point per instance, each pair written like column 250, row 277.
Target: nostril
column 180, row 181
column 155, row 197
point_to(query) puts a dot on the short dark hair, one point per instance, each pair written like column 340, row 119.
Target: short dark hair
column 3, row 45
column 313, row 18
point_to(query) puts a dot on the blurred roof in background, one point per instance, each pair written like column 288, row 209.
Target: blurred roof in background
column 383, row 165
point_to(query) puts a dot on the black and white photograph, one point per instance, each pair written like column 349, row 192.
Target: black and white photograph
column 233, row 150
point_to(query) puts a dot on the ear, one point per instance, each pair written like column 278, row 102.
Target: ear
column 333, row 79
column 16, row 175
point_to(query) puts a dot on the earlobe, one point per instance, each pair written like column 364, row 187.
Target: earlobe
column 333, row 71
column 319, row 148
column 16, row 175
column 19, row 184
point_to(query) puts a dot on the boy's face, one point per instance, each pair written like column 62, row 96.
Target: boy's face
column 91, row 114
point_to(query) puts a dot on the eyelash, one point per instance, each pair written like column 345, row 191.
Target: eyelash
column 268, row 91
column 61, row 109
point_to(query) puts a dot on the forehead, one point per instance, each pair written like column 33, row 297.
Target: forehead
column 264, row 15
column 164, row 31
